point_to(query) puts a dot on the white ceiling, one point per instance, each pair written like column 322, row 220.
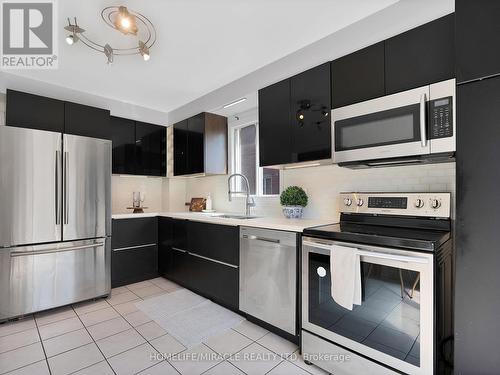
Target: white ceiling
column 202, row 45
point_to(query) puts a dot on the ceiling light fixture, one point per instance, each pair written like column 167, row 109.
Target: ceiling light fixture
column 234, row 103
column 125, row 21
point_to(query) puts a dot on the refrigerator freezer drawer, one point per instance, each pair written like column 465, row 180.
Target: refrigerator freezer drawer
column 36, row 278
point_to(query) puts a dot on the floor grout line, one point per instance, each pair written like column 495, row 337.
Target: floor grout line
column 98, row 348
column 43, row 347
column 29, row 364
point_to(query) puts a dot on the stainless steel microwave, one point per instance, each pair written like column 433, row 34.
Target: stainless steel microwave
column 413, row 126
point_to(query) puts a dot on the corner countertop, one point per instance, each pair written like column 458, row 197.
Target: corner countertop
column 278, row 223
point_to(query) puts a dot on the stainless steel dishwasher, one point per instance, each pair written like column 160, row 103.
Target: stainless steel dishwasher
column 268, row 276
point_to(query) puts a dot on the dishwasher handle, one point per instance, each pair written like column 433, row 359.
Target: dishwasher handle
column 258, row 238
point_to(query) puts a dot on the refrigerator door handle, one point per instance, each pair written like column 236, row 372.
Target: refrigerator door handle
column 66, row 189
column 57, row 191
column 52, row 251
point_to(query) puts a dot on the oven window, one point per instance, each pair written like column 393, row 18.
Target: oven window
column 388, row 319
column 399, row 125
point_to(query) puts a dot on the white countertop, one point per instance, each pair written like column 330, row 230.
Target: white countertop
column 278, row 223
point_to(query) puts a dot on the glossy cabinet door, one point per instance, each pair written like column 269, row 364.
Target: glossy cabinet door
column 181, row 148
column 173, row 254
column 421, row 56
column 196, row 144
column 477, row 36
column 150, row 149
column 477, row 236
column 217, row 242
column 86, row 121
column 358, row 76
column 214, row 280
column 134, row 255
column 123, row 138
column 310, row 118
column 275, row 136
column 25, row 110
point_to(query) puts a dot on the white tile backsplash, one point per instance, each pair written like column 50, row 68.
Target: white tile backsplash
column 122, row 188
column 324, row 183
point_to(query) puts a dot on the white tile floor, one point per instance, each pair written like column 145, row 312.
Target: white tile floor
column 111, row 336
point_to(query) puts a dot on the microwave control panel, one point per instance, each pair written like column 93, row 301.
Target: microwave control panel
column 441, row 118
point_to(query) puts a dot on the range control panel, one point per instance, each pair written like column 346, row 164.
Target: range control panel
column 408, row 204
column 441, row 118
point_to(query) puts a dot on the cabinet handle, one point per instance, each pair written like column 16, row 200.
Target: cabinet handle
column 257, row 238
column 134, row 247
column 213, row 260
column 180, row 250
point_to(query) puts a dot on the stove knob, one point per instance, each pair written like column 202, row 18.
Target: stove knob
column 435, row 203
column 419, row 203
column 360, row 202
column 347, row 201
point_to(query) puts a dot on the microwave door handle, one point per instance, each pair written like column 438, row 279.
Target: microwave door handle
column 423, row 122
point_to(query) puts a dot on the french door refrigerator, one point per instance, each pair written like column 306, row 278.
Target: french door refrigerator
column 55, row 220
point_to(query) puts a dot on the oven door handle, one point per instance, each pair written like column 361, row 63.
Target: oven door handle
column 423, row 122
column 373, row 254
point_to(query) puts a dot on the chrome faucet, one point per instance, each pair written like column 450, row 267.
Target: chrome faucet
column 249, row 200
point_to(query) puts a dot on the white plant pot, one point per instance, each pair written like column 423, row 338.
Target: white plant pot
column 293, row 212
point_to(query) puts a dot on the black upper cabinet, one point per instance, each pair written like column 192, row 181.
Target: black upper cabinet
column 150, row 150
column 421, row 56
column 138, row 148
column 87, row 121
column 358, row 76
column 275, row 138
column 195, row 146
column 123, row 137
column 200, row 145
column 181, row 148
column 35, row 112
column 310, row 114
column 294, row 118
column 477, row 35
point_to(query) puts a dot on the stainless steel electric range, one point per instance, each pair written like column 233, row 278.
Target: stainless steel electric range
column 404, row 321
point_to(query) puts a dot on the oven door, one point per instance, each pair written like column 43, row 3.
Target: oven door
column 396, row 313
column 387, row 127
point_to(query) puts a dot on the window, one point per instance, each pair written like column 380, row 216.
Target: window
column 262, row 181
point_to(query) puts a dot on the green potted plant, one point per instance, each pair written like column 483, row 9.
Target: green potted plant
column 293, row 199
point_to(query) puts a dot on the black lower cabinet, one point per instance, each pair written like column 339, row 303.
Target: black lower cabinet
column 173, row 256
column 218, row 242
column 477, row 302
column 134, row 255
column 202, row 257
column 133, row 265
column 217, row 281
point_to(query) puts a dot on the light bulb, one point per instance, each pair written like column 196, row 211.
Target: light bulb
column 70, row 40
column 125, row 22
column 146, row 56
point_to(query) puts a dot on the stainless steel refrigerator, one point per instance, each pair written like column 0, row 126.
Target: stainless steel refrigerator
column 55, row 220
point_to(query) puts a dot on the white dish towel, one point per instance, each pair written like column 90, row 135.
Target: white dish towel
column 346, row 276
